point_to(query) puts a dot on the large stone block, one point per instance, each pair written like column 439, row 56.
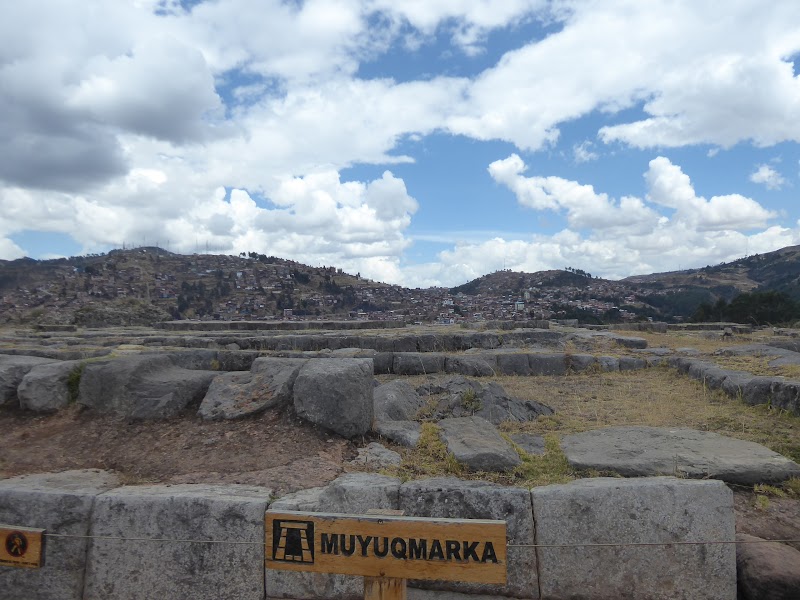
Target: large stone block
column 354, row 493
column 142, row 387
column 12, row 370
column 475, row 443
column 143, row 570
column 396, row 401
column 452, row 498
column 45, row 388
column 657, row 511
column 417, row 363
column 336, row 393
column 242, row 393
column 548, row 364
column 60, row 503
column 471, row 365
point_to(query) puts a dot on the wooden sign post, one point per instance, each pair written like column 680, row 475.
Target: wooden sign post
column 21, row 547
column 385, row 549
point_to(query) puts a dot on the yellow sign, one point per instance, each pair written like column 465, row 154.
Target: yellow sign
column 384, row 546
column 21, row 547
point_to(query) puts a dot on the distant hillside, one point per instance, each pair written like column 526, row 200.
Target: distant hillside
column 773, row 271
column 514, row 283
column 143, row 285
column 118, row 287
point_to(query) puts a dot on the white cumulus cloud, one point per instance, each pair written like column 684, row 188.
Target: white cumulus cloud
column 768, row 176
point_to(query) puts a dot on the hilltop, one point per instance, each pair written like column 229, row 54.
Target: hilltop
column 144, row 285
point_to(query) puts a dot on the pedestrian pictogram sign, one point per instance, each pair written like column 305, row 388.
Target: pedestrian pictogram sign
column 21, row 547
column 387, row 546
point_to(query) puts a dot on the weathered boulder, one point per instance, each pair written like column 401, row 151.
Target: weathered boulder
column 497, row 406
column 581, row 362
column 376, row 456
column 775, row 391
column 631, row 363
column 354, row 493
column 766, row 570
column 451, row 498
column 608, row 364
column 462, row 397
column 396, row 401
column 475, row 443
column 643, row 451
column 403, row 433
column 548, row 364
column 45, row 388
column 126, row 570
column 471, row 365
column 142, row 387
column 12, row 370
column 238, row 394
column 59, row 503
column 532, row 444
column 642, row 511
column 417, row 363
column 513, row 364
column 336, row 393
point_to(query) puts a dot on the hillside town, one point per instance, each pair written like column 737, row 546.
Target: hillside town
column 256, row 287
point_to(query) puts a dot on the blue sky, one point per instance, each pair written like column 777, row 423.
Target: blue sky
column 425, row 142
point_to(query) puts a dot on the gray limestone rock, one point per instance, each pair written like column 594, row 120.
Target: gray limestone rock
column 513, row 364
column 404, row 433
column 417, row 363
column 45, row 387
column 142, row 387
column 766, row 570
column 336, row 393
column 548, row 364
column 631, row 363
column 396, row 401
column 644, row 451
column 608, row 364
column 129, row 570
column 532, row 444
column 475, row 442
column 653, row 510
column 497, row 406
column 451, row 498
column 354, row 493
column 12, row 370
column 376, row 456
column 238, row 394
column 473, row 366
column 59, row 503
column 581, row 362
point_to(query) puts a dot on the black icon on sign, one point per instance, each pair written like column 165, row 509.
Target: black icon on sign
column 293, row 541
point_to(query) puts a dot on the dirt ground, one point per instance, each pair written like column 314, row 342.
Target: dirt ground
column 274, row 449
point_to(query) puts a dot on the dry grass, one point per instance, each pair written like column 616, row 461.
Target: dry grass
column 657, row 397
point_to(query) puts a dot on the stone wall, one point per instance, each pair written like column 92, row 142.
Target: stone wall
column 163, row 541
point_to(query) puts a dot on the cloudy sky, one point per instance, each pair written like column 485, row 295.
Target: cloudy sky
column 420, row 142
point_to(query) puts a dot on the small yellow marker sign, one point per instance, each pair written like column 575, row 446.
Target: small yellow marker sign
column 387, row 546
column 21, row 547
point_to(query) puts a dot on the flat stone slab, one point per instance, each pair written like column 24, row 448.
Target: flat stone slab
column 128, row 570
column 657, row 511
column 60, row 503
column 645, row 451
column 475, row 442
